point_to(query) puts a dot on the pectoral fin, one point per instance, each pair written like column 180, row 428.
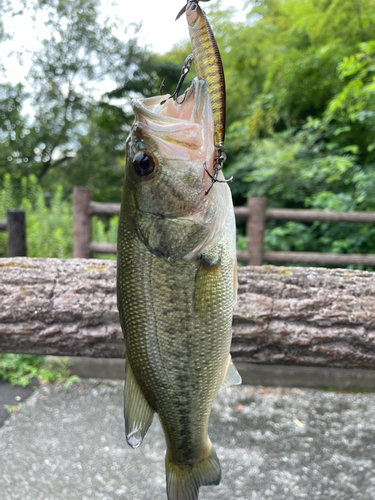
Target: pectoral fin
column 232, row 377
column 138, row 413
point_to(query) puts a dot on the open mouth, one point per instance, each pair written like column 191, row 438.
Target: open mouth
column 164, row 118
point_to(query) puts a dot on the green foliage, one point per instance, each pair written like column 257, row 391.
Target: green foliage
column 105, row 231
column 49, row 220
column 301, row 96
column 75, row 136
column 303, row 73
column 99, row 160
column 12, row 409
column 290, row 169
column 20, row 369
column 49, row 224
column 13, row 130
column 80, row 51
column 352, row 110
column 281, row 66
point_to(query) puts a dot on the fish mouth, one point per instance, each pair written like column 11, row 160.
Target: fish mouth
column 184, row 123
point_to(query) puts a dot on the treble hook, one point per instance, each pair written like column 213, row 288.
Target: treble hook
column 214, row 178
column 217, row 166
column 185, row 70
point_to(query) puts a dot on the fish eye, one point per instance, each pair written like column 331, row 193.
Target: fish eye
column 144, row 163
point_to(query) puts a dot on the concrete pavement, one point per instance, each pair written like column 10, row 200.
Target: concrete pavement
column 282, row 444
column 13, row 396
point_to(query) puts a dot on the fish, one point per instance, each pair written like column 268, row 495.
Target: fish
column 176, row 283
column 208, row 63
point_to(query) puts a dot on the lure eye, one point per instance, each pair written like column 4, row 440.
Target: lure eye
column 144, row 163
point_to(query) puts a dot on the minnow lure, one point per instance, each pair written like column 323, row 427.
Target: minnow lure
column 209, row 67
column 208, row 63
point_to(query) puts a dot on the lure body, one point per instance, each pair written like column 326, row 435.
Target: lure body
column 208, row 64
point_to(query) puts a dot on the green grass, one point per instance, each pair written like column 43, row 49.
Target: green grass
column 353, row 390
column 20, row 369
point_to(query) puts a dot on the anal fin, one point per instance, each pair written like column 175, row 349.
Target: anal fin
column 138, row 413
column 232, row 377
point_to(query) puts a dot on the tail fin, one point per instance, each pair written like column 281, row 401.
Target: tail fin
column 183, row 481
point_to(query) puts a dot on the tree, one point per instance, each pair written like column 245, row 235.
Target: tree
column 15, row 139
column 80, row 53
column 300, row 81
column 76, row 134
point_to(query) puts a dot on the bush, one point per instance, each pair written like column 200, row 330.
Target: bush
column 20, row 369
column 48, row 223
column 106, row 231
column 49, row 220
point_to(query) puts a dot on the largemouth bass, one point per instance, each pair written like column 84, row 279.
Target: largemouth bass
column 176, row 283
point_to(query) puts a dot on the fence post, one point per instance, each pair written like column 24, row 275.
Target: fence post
column 255, row 229
column 16, row 233
column 81, row 222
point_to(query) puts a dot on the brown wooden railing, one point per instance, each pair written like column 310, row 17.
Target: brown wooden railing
column 15, row 227
column 255, row 213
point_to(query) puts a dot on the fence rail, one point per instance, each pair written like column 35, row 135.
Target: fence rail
column 255, row 214
column 16, row 229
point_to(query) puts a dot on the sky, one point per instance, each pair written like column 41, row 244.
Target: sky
column 155, row 15
column 165, row 11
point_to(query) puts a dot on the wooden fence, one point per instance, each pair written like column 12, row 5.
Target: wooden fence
column 255, row 213
column 15, row 227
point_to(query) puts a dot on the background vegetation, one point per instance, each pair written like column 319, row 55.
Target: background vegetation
column 300, row 130
column 22, row 369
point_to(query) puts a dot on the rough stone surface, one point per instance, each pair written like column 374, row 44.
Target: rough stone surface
column 300, row 316
column 283, row 444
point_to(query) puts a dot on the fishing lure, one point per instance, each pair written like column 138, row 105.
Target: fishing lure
column 208, row 63
column 209, row 67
